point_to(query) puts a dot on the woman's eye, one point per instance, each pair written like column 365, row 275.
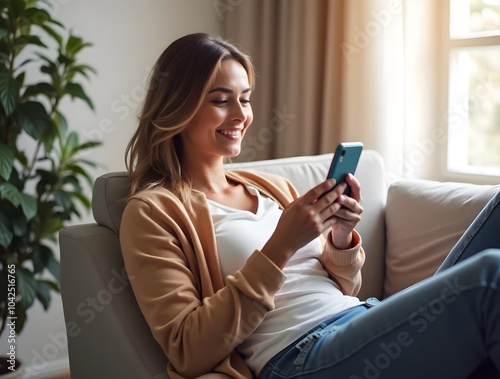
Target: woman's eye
column 219, row 102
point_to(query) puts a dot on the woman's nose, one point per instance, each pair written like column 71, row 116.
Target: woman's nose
column 239, row 112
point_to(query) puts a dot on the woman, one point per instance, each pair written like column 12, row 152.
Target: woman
column 231, row 269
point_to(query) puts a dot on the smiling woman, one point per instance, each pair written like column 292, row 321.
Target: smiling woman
column 236, row 274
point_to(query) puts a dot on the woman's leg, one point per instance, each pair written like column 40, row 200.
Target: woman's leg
column 483, row 233
column 443, row 327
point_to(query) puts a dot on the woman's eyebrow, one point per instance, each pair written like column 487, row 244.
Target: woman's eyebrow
column 227, row 90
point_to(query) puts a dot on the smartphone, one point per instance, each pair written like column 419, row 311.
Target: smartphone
column 345, row 161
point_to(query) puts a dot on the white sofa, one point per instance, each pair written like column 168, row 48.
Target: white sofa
column 407, row 229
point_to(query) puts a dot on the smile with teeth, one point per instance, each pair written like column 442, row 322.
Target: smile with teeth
column 232, row 133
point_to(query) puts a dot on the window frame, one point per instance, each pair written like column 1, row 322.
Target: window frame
column 450, row 44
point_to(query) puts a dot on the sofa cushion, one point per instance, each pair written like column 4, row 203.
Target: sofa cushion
column 424, row 220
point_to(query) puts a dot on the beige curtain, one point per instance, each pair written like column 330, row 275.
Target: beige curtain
column 335, row 70
column 297, row 100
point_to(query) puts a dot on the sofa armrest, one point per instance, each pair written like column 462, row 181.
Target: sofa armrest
column 424, row 220
column 107, row 334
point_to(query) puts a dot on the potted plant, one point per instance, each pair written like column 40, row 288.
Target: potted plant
column 42, row 168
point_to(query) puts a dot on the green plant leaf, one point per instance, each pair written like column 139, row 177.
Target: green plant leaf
column 54, row 267
column 21, row 157
column 48, row 139
column 82, row 69
column 61, row 123
column 71, row 180
column 53, row 285
column 75, row 90
column 19, row 222
column 34, row 119
column 71, row 143
column 49, row 220
column 20, row 79
column 40, row 256
column 88, row 145
column 63, row 199
column 49, row 68
column 87, row 162
column 43, row 294
column 10, row 192
column 50, row 31
column 6, row 161
column 4, row 59
column 29, row 206
column 9, row 92
column 26, row 286
column 48, row 179
column 65, row 60
column 3, row 33
column 74, row 44
column 83, row 199
column 27, row 39
column 79, row 170
column 38, row 89
column 36, row 16
column 6, row 235
column 27, row 202
column 16, row 9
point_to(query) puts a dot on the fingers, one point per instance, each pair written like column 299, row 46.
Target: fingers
column 350, row 208
column 311, row 196
column 328, row 200
column 355, row 187
column 351, row 205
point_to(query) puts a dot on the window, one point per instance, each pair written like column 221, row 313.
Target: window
column 474, row 88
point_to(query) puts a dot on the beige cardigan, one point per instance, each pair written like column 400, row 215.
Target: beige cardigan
column 171, row 258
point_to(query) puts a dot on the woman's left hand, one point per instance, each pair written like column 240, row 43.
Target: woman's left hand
column 348, row 216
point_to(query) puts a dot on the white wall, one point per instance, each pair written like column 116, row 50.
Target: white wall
column 128, row 36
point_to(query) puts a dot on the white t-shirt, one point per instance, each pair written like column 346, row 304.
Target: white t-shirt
column 307, row 297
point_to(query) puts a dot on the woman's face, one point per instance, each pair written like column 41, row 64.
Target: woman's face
column 219, row 127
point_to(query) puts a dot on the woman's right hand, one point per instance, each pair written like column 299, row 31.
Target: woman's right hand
column 303, row 220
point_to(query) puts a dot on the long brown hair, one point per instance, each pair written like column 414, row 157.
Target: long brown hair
column 178, row 84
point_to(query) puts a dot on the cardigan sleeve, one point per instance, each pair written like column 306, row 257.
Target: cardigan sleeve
column 196, row 332
column 344, row 266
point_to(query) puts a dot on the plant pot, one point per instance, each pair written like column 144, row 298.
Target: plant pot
column 6, row 373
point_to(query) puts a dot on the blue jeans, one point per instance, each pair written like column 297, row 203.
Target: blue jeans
column 445, row 327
